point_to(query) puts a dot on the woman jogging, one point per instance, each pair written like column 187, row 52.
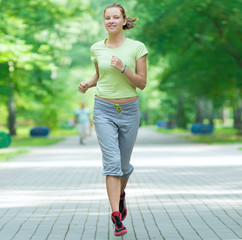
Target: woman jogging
column 120, row 65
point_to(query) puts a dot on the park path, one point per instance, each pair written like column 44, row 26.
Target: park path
column 179, row 190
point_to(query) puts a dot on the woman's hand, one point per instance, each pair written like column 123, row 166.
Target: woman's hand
column 117, row 63
column 83, row 86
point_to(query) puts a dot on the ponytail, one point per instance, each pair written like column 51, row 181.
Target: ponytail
column 130, row 23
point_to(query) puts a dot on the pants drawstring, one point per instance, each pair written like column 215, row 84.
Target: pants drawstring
column 119, row 108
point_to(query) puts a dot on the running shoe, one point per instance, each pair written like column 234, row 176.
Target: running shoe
column 120, row 229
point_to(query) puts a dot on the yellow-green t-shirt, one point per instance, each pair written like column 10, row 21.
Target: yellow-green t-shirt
column 112, row 83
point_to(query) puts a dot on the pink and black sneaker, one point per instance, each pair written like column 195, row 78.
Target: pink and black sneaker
column 122, row 207
column 120, row 229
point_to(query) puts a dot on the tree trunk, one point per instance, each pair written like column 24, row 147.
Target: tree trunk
column 200, row 111
column 11, row 116
column 211, row 119
column 225, row 117
column 237, row 112
column 180, row 115
column 210, row 113
column 237, row 115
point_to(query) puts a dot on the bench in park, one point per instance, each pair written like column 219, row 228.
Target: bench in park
column 5, row 140
column 39, row 132
column 200, row 128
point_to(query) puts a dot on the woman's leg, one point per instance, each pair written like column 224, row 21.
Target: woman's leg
column 113, row 185
column 124, row 182
column 107, row 133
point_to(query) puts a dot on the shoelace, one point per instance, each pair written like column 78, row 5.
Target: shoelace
column 118, row 222
column 119, row 108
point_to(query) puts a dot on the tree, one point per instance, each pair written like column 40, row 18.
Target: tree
column 33, row 35
column 200, row 42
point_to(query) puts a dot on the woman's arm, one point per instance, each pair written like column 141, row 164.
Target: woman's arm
column 138, row 78
column 83, row 86
column 93, row 81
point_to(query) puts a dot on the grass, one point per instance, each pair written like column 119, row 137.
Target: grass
column 220, row 135
column 20, row 141
column 215, row 138
column 24, row 131
column 64, row 132
column 7, row 155
column 167, row 131
column 23, row 138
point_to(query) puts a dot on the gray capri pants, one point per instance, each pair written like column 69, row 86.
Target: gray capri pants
column 116, row 127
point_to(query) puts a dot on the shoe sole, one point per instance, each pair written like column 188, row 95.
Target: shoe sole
column 121, row 233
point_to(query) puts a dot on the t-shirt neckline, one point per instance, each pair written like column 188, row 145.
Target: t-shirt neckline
column 104, row 42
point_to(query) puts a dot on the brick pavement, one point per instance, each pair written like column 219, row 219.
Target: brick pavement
column 178, row 190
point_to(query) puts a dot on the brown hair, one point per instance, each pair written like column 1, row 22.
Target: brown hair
column 130, row 22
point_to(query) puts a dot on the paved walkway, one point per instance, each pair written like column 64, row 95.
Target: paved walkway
column 179, row 190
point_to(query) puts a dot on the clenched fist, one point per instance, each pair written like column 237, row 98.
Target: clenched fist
column 83, row 86
column 117, row 63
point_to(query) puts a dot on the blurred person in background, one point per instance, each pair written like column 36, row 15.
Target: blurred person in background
column 82, row 122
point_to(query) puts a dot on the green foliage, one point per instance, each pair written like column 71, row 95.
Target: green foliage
column 199, row 41
column 36, row 40
column 194, row 54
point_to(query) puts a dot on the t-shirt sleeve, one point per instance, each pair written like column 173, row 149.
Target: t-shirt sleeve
column 93, row 56
column 141, row 51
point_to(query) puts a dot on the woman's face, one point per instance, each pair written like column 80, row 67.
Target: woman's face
column 113, row 20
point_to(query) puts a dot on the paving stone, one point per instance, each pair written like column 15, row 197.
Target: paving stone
column 179, row 190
